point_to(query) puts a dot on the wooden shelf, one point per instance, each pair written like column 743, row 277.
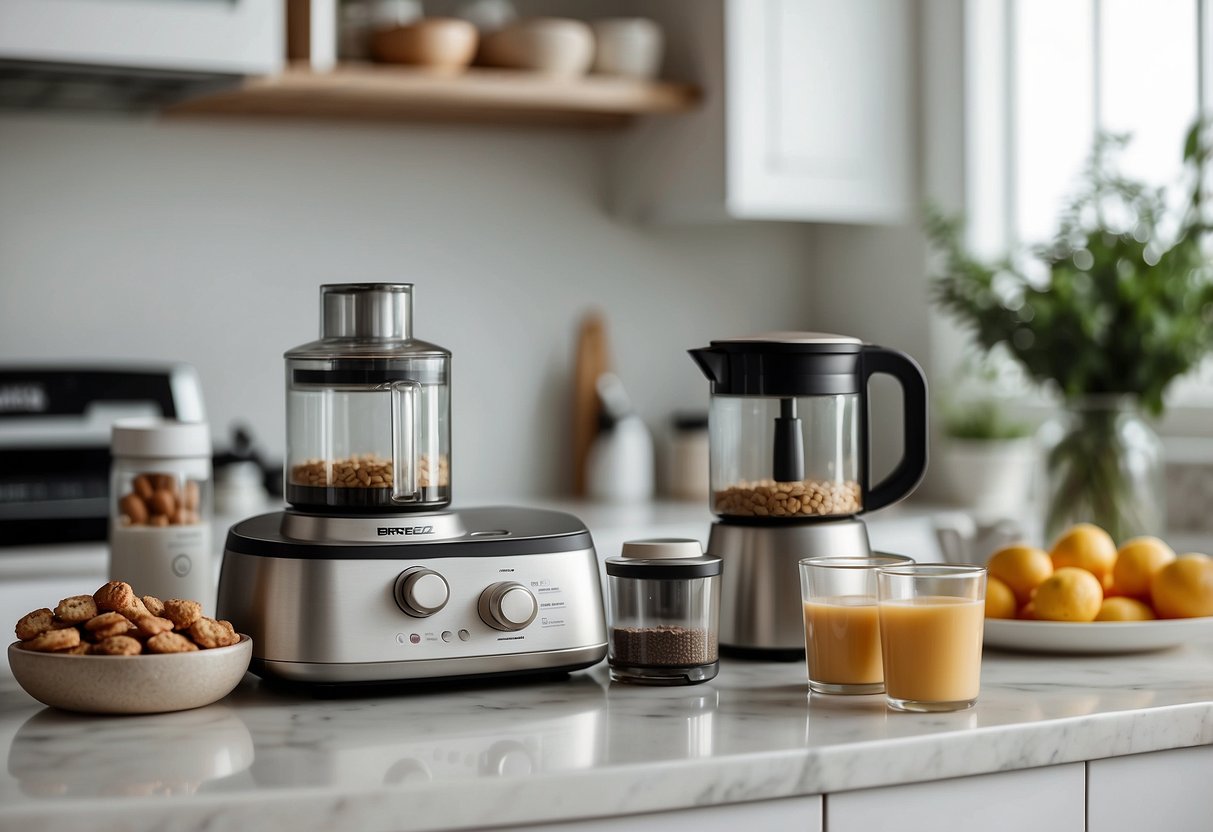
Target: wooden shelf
column 377, row 92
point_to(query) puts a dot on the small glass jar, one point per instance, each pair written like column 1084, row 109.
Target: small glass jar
column 160, row 509
column 663, row 612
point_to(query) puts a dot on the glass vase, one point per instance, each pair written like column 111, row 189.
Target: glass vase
column 1103, row 465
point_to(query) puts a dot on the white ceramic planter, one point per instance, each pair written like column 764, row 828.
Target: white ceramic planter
column 991, row 478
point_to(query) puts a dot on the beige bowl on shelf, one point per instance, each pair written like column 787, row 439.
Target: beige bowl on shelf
column 143, row 684
column 551, row 45
column 435, row 42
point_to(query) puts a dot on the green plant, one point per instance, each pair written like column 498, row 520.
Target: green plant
column 982, row 420
column 1126, row 301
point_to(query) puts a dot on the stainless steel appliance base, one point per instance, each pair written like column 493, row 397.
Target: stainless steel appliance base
column 761, row 615
column 358, row 600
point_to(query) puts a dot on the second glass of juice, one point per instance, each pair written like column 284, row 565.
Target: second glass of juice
column 841, row 623
column 931, row 621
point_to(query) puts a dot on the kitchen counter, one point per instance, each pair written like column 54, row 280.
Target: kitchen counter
column 521, row 754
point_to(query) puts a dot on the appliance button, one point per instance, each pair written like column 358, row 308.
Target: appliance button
column 421, row 592
column 464, row 635
column 446, row 635
column 490, row 533
column 508, row 606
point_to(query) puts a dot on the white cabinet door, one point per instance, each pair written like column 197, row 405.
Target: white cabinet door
column 1033, row 800
column 793, row 814
column 818, row 99
column 1167, row 791
column 242, row 37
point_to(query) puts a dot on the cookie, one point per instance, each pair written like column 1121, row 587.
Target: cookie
column 134, row 608
column 208, row 633
column 170, row 643
column 54, row 641
column 181, row 612
column 107, row 625
column 154, row 605
column 117, row 646
column 34, row 624
column 150, row 625
column 114, row 596
column 77, row 609
column 81, row 649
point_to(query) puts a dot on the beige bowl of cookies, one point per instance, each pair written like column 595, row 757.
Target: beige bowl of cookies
column 114, row 652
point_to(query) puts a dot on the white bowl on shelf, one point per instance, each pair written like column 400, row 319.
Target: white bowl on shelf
column 551, row 45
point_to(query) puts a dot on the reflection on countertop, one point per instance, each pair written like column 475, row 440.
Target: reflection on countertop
column 518, row 753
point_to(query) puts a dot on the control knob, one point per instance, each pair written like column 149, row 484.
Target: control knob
column 421, row 592
column 507, row 606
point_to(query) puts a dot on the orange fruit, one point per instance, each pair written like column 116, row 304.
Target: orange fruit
column 1000, row 600
column 1184, row 588
column 1027, row 612
column 1022, row 568
column 1137, row 562
column 1069, row 594
column 1086, row 546
column 1124, row 609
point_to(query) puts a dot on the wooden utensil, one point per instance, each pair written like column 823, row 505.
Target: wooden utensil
column 591, row 362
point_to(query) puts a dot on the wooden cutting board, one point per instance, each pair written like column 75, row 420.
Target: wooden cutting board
column 592, row 361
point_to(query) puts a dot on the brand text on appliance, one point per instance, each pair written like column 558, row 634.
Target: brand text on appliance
column 406, row 530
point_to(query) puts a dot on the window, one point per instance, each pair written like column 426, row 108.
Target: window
column 1044, row 77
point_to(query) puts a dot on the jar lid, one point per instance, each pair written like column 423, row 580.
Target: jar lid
column 784, row 364
column 664, row 558
column 160, row 438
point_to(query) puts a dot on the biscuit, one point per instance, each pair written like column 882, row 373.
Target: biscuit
column 135, row 608
column 107, row 625
column 209, row 634
column 77, row 609
column 154, row 605
column 53, row 641
column 169, row 642
column 181, row 612
column 114, row 596
column 150, row 625
column 34, row 624
column 117, row 646
column 81, row 649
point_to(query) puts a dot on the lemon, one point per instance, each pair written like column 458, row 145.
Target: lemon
column 1086, row 546
column 1137, row 562
column 1184, row 587
column 1022, row 568
column 1000, row 600
column 1069, row 594
column 1124, row 609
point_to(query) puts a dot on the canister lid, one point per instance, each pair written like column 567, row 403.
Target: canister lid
column 664, row 558
column 366, row 310
column 160, row 438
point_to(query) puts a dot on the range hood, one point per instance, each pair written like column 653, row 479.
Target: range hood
column 132, row 54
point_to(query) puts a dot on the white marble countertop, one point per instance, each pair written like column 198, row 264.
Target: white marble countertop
column 583, row 747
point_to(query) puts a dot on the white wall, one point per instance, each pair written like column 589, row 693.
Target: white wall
column 205, row 243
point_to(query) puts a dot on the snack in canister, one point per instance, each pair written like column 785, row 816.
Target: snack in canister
column 114, row 621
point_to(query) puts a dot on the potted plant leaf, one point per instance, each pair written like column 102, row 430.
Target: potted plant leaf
column 988, row 454
column 1120, row 304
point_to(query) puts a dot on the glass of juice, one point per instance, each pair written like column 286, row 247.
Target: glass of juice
column 841, row 623
column 931, row 618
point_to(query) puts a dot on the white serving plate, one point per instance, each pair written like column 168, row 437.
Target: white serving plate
column 1104, row 637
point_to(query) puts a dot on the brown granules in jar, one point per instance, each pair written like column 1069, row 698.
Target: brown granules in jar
column 768, row 498
column 662, row 646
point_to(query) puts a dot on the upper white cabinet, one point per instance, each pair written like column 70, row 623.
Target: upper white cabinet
column 807, row 115
column 237, row 37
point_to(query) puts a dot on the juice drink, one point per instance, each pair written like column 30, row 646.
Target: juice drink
column 842, row 640
column 932, row 648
